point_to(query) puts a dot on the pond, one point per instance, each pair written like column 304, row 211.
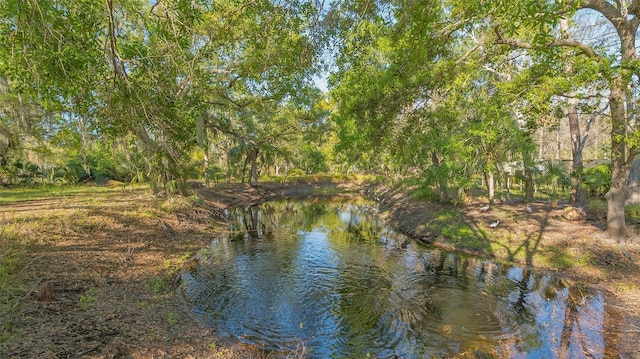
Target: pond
column 331, row 279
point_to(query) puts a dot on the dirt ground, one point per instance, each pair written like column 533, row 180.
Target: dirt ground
column 96, row 275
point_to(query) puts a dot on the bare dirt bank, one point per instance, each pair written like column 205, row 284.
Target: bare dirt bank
column 95, row 273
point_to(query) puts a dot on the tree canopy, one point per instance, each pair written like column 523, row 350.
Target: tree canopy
column 451, row 93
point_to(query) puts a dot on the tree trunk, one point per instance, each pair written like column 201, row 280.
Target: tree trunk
column 253, row 158
column 528, row 177
column 488, row 177
column 616, row 225
column 577, row 193
column 206, row 167
column 442, row 182
column 620, row 166
column 228, row 161
column 558, row 145
column 577, row 167
column 84, row 147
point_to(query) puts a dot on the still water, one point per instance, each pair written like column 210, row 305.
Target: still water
column 333, row 277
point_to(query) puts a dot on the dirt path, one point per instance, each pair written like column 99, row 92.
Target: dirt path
column 95, row 274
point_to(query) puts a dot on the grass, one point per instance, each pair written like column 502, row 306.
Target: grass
column 11, row 255
column 158, row 285
column 559, row 258
column 171, row 318
column 20, row 229
column 626, row 287
column 177, row 203
column 450, row 224
column 24, row 194
column 87, row 298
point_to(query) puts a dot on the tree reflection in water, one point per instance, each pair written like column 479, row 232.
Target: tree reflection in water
column 334, row 277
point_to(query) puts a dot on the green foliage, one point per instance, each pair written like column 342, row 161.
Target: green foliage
column 147, row 74
column 296, row 172
column 171, row 318
column 423, row 193
column 632, row 212
column 158, row 285
column 557, row 177
column 597, row 180
column 20, row 173
column 87, row 298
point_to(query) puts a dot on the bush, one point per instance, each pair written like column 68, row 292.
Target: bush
column 597, row 180
column 296, row 172
column 632, row 212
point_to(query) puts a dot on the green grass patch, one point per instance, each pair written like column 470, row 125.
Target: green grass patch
column 560, row 258
column 24, row 194
column 422, row 194
column 158, row 285
column 326, row 191
column 11, row 255
column 87, row 298
column 171, row 318
column 450, row 225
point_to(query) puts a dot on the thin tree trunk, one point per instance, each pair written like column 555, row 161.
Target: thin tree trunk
column 442, row 182
column 253, row 159
column 558, row 145
column 228, row 160
column 207, row 180
column 488, row 177
column 528, row 178
column 577, row 194
column 84, row 147
column 540, row 142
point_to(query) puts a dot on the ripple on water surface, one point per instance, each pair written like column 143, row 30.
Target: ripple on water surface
column 334, row 279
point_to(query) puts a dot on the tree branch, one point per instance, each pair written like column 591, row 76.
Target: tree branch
column 468, row 53
column 583, row 140
column 610, row 12
column 587, row 50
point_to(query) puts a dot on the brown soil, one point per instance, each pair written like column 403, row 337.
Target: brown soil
column 96, row 276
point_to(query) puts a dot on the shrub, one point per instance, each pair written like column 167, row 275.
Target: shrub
column 633, row 212
column 597, row 180
column 296, row 172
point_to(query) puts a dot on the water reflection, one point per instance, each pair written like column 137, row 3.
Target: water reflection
column 332, row 276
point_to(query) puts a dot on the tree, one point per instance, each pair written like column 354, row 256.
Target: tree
column 617, row 66
column 417, row 86
column 156, row 70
